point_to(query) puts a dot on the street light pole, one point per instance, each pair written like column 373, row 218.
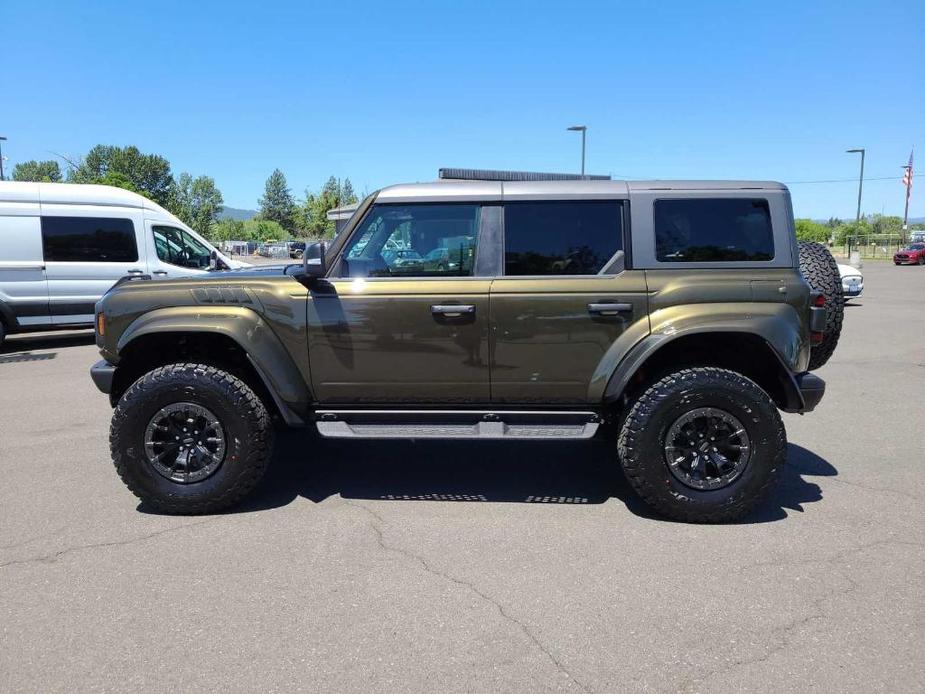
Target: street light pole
column 2, row 139
column 860, row 180
column 584, row 130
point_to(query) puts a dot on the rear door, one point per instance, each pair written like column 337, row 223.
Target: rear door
column 404, row 317
column 87, row 249
column 564, row 300
column 23, row 287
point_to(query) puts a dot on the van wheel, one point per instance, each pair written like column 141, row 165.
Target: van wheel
column 820, row 271
column 702, row 445
column 190, row 438
column 2, row 333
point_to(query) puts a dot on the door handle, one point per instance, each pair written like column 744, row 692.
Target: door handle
column 133, row 271
column 608, row 309
column 160, row 273
column 452, row 310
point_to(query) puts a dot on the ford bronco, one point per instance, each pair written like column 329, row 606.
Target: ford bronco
column 678, row 318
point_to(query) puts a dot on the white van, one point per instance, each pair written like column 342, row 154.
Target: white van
column 62, row 246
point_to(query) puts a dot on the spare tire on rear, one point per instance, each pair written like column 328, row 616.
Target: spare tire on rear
column 820, row 270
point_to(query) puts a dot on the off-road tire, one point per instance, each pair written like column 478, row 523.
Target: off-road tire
column 243, row 416
column 642, row 439
column 820, row 270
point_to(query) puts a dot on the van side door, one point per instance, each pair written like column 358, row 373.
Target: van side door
column 23, row 287
column 87, row 249
column 563, row 302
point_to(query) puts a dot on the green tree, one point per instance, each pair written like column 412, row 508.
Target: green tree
column 197, row 202
column 227, row 230
column 313, row 214
column 277, row 204
column 149, row 174
column 808, row 230
column 43, row 171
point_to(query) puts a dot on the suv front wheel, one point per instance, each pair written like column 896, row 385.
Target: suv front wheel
column 702, row 445
column 190, row 438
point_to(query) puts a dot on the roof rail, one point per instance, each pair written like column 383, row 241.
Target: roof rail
column 491, row 175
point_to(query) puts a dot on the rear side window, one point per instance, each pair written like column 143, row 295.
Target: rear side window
column 561, row 238
column 89, row 240
column 704, row 230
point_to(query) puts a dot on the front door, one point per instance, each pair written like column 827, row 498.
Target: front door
column 174, row 252
column 563, row 302
column 403, row 319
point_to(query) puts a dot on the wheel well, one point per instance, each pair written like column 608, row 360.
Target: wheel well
column 148, row 352
column 744, row 353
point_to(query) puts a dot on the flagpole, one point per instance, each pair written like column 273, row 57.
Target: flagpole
column 907, row 178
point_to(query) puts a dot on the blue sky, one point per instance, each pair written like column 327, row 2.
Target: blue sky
column 389, row 92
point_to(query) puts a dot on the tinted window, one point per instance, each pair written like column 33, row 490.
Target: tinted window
column 177, row 247
column 413, row 241
column 89, row 239
column 708, row 230
column 561, row 238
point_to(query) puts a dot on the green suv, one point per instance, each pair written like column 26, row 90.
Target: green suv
column 676, row 318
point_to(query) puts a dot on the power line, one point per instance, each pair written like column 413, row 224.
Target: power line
column 846, row 180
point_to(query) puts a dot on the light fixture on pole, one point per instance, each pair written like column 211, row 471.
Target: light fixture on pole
column 860, row 179
column 583, row 129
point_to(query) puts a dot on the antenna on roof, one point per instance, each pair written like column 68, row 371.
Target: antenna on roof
column 492, row 175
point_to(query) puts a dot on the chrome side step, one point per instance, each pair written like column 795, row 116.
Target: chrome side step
column 456, row 424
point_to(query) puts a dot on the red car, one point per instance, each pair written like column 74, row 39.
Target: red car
column 913, row 254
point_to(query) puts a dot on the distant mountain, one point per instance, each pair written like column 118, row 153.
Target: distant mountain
column 237, row 214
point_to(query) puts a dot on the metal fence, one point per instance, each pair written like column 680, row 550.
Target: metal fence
column 874, row 245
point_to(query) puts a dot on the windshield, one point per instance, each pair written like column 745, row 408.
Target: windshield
column 916, row 247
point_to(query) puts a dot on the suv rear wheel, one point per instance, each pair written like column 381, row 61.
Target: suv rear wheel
column 190, row 438
column 702, row 445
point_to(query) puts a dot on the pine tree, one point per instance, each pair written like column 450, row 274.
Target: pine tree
column 277, row 203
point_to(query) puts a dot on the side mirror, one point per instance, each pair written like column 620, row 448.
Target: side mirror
column 313, row 259
column 213, row 260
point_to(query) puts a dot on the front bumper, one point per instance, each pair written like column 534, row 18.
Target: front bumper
column 102, row 373
column 812, row 388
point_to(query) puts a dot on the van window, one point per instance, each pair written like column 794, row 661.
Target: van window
column 698, row 230
column 561, row 238
column 177, row 247
column 89, row 240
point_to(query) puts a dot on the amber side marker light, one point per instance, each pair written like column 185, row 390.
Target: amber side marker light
column 100, row 324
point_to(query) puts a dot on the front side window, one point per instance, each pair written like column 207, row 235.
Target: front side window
column 428, row 240
column 561, row 238
column 699, row 230
column 89, row 240
column 178, row 247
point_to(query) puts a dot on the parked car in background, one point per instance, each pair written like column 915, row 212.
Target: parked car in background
column 63, row 245
column 296, row 250
column 852, row 281
column 913, row 254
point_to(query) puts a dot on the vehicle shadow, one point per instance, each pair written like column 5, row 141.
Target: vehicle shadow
column 581, row 473
column 25, row 343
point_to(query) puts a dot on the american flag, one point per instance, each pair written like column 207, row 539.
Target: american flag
column 907, row 175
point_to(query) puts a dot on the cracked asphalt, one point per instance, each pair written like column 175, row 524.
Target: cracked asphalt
column 404, row 566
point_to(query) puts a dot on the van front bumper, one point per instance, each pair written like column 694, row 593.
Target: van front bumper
column 102, row 373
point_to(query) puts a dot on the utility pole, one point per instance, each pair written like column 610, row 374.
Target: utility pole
column 2, row 139
column 860, row 180
column 583, row 129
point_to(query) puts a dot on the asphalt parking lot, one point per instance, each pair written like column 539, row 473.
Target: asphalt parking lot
column 432, row 567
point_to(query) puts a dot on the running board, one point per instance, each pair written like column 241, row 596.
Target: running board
column 456, row 424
